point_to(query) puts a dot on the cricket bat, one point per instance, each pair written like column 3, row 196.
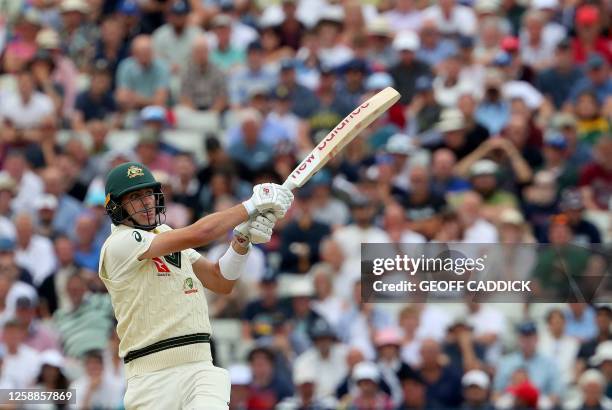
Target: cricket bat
column 341, row 135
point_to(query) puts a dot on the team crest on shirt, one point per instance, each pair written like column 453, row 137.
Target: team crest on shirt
column 134, row 171
column 188, row 286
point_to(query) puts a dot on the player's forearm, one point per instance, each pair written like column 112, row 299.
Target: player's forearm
column 215, row 225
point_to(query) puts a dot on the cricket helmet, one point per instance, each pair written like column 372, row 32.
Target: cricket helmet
column 124, row 179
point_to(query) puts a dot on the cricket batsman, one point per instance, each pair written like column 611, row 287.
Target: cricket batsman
column 156, row 282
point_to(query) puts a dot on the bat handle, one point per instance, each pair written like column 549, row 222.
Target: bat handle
column 289, row 185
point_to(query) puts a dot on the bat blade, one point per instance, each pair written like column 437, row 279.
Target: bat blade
column 360, row 118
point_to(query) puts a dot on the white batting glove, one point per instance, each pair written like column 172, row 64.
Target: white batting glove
column 269, row 197
column 256, row 230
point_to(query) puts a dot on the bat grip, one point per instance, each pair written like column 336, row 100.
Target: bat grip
column 289, row 185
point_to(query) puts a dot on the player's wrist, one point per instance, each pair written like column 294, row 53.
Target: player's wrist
column 232, row 263
column 250, row 207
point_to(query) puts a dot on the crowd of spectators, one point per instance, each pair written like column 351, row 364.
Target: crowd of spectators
column 501, row 136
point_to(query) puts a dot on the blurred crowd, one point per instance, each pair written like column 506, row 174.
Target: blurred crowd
column 501, row 136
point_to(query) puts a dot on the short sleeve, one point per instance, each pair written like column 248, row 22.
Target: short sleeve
column 192, row 254
column 123, row 250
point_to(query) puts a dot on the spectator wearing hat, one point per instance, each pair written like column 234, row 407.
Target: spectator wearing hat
column 300, row 239
column 271, row 43
column 603, row 320
column 489, row 37
column 463, row 351
column 303, row 316
column 540, row 370
column 328, row 29
column 456, row 134
column 367, row 394
column 227, row 55
column 389, row 362
column 602, row 360
column 77, row 35
column 328, row 358
column 304, row 380
column 20, row 49
column 334, row 103
column 597, row 80
column 588, row 34
column 596, row 177
column 476, row 385
column 593, row 385
column 352, row 86
column 408, row 69
column 484, row 176
column 172, row 42
column 52, row 374
column 95, row 388
column 113, row 44
column 281, row 114
column 267, row 386
column 142, row 79
column 252, row 74
column 46, row 206
column 303, row 101
column 557, row 81
column 262, row 316
column 572, row 205
column 579, row 150
column 20, row 363
column 42, row 67
column 379, row 36
column 39, row 335
column 8, row 189
column 97, row 102
column 423, row 112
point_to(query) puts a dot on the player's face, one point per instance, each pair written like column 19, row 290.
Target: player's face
column 140, row 205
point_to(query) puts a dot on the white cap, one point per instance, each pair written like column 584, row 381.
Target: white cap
column 52, row 358
column 48, row 39
column 544, row 4
column 400, row 144
column 332, row 13
column 378, row 81
column 451, row 119
column 365, row 371
column 406, row 41
column 46, row 201
column 379, row 26
column 74, row 5
column 240, row 375
column 511, row 216
column 483, row 167
column 603, row 353
column 486, row 6
column 592, row 376
column 476, row 378
column 301, row 287
column 524, row 91
column 304, row 372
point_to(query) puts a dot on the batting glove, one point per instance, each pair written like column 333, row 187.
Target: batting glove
column 269, row 197
column 257, row 229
